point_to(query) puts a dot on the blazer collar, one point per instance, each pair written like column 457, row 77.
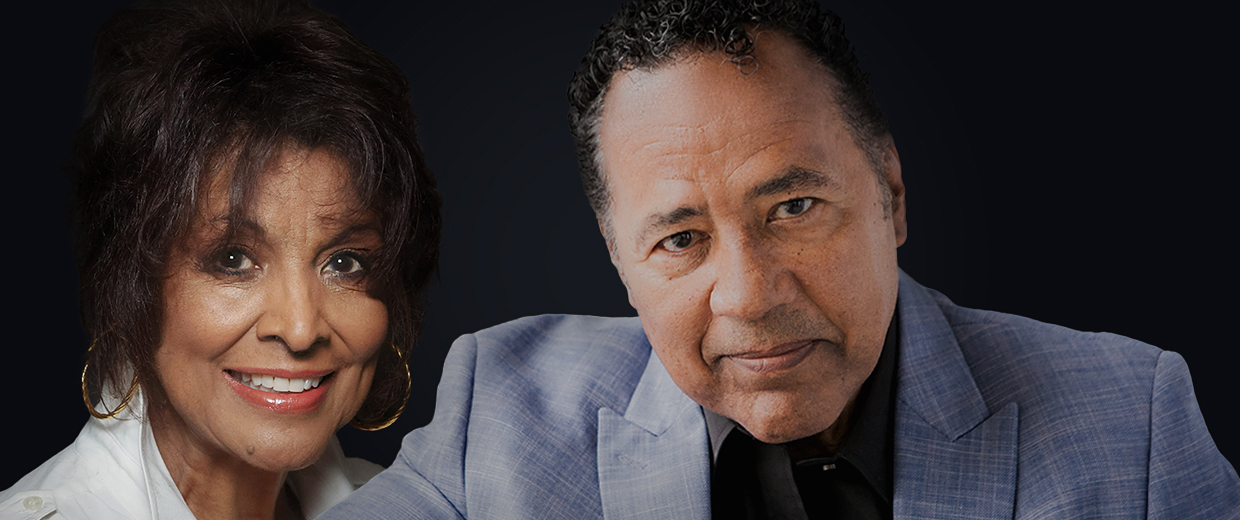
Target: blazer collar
column 657, row 402
column 954, row 458
column 654, row 460
column 932, row 377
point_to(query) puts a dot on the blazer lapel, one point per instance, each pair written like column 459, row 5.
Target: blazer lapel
column 654, row 460
column 954, row 459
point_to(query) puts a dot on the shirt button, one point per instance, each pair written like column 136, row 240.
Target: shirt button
column 32, row 503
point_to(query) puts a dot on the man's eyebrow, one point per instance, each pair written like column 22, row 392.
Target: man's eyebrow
column 659, row 221
column 793, row 179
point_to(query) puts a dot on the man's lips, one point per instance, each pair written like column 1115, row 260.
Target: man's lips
column 782, row 357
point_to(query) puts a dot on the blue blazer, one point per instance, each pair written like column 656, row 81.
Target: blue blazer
column 997, row 416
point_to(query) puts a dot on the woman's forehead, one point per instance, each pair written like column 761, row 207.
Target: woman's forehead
column 299, row 184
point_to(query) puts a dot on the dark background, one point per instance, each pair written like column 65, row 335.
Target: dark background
column 1071, row 163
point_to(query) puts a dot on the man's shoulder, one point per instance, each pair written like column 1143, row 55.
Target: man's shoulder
column 566, row 332
column 1010, row 353
column 563, row 344
column 559, row 362
column 1104, row 420
column 1079, row 393
column 517, row 414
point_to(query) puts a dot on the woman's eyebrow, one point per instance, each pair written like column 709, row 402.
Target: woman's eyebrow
column 348, row 233
column 224, row 228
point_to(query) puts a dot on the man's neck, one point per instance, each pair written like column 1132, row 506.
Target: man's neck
column 827, row 442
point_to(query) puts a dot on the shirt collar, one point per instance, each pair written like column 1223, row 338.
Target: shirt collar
column 869, row 445
column 717, row 429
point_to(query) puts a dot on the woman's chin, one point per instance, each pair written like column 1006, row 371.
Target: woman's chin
column 286, row 455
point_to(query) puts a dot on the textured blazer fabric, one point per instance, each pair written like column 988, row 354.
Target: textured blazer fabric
column 997, row 416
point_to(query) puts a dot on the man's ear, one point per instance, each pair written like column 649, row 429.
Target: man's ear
column 615, row 259
column 895, row 186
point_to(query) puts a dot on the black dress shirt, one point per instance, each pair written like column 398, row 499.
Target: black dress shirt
column 754, row 480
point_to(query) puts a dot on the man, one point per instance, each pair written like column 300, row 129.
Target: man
column 752, row 201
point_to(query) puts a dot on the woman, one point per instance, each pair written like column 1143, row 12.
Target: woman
column 255, row 221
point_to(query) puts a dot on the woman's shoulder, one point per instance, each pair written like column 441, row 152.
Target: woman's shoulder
column 98, row 476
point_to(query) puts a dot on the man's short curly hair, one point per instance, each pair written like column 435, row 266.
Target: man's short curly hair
column 183, row 89
column 645, row 34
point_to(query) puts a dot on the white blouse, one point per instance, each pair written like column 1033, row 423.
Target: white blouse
column 113, row 470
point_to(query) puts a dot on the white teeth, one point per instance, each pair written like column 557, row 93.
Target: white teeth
column 269, row 383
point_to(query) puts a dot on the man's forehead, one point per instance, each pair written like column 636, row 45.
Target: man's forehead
column 703, row 103
column 695, row 102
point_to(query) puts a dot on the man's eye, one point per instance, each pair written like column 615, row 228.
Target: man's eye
column 679, row 242
column 792, row 208
column 234, row 259
column 344, row 262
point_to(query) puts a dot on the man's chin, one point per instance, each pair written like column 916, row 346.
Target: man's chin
column 781, row 435
column 782, row 415
column 782, row 428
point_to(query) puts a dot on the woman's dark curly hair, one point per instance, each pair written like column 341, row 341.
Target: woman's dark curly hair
column 645, row 34
column 181, row 90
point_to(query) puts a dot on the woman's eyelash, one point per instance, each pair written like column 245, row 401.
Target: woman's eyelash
column 239, row 261
column 348, row 263
column 230, row 260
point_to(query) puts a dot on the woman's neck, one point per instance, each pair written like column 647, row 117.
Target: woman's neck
column 214, row 484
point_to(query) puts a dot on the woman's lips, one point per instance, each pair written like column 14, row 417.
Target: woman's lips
column 283, row 382
column 276, row 394
column 780, row 358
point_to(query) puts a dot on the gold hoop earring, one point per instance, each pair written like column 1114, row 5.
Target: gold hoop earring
column 400, row 358
column 133, row 390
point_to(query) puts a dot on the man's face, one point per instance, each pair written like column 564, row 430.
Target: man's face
column 752, row 235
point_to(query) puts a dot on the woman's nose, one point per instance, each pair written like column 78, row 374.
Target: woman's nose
column 293, row 313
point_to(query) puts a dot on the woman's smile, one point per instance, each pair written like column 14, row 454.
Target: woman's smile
column 267, row 382
column 279, row 394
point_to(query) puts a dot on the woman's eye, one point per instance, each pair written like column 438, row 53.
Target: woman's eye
column 344, row 263
column 679, row 242
column 234, row 259
column 792, row 208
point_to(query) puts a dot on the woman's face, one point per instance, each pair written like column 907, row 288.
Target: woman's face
column 270, row 338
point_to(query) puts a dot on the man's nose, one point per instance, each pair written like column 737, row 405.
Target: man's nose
column 293, row 311
column 750, row 280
